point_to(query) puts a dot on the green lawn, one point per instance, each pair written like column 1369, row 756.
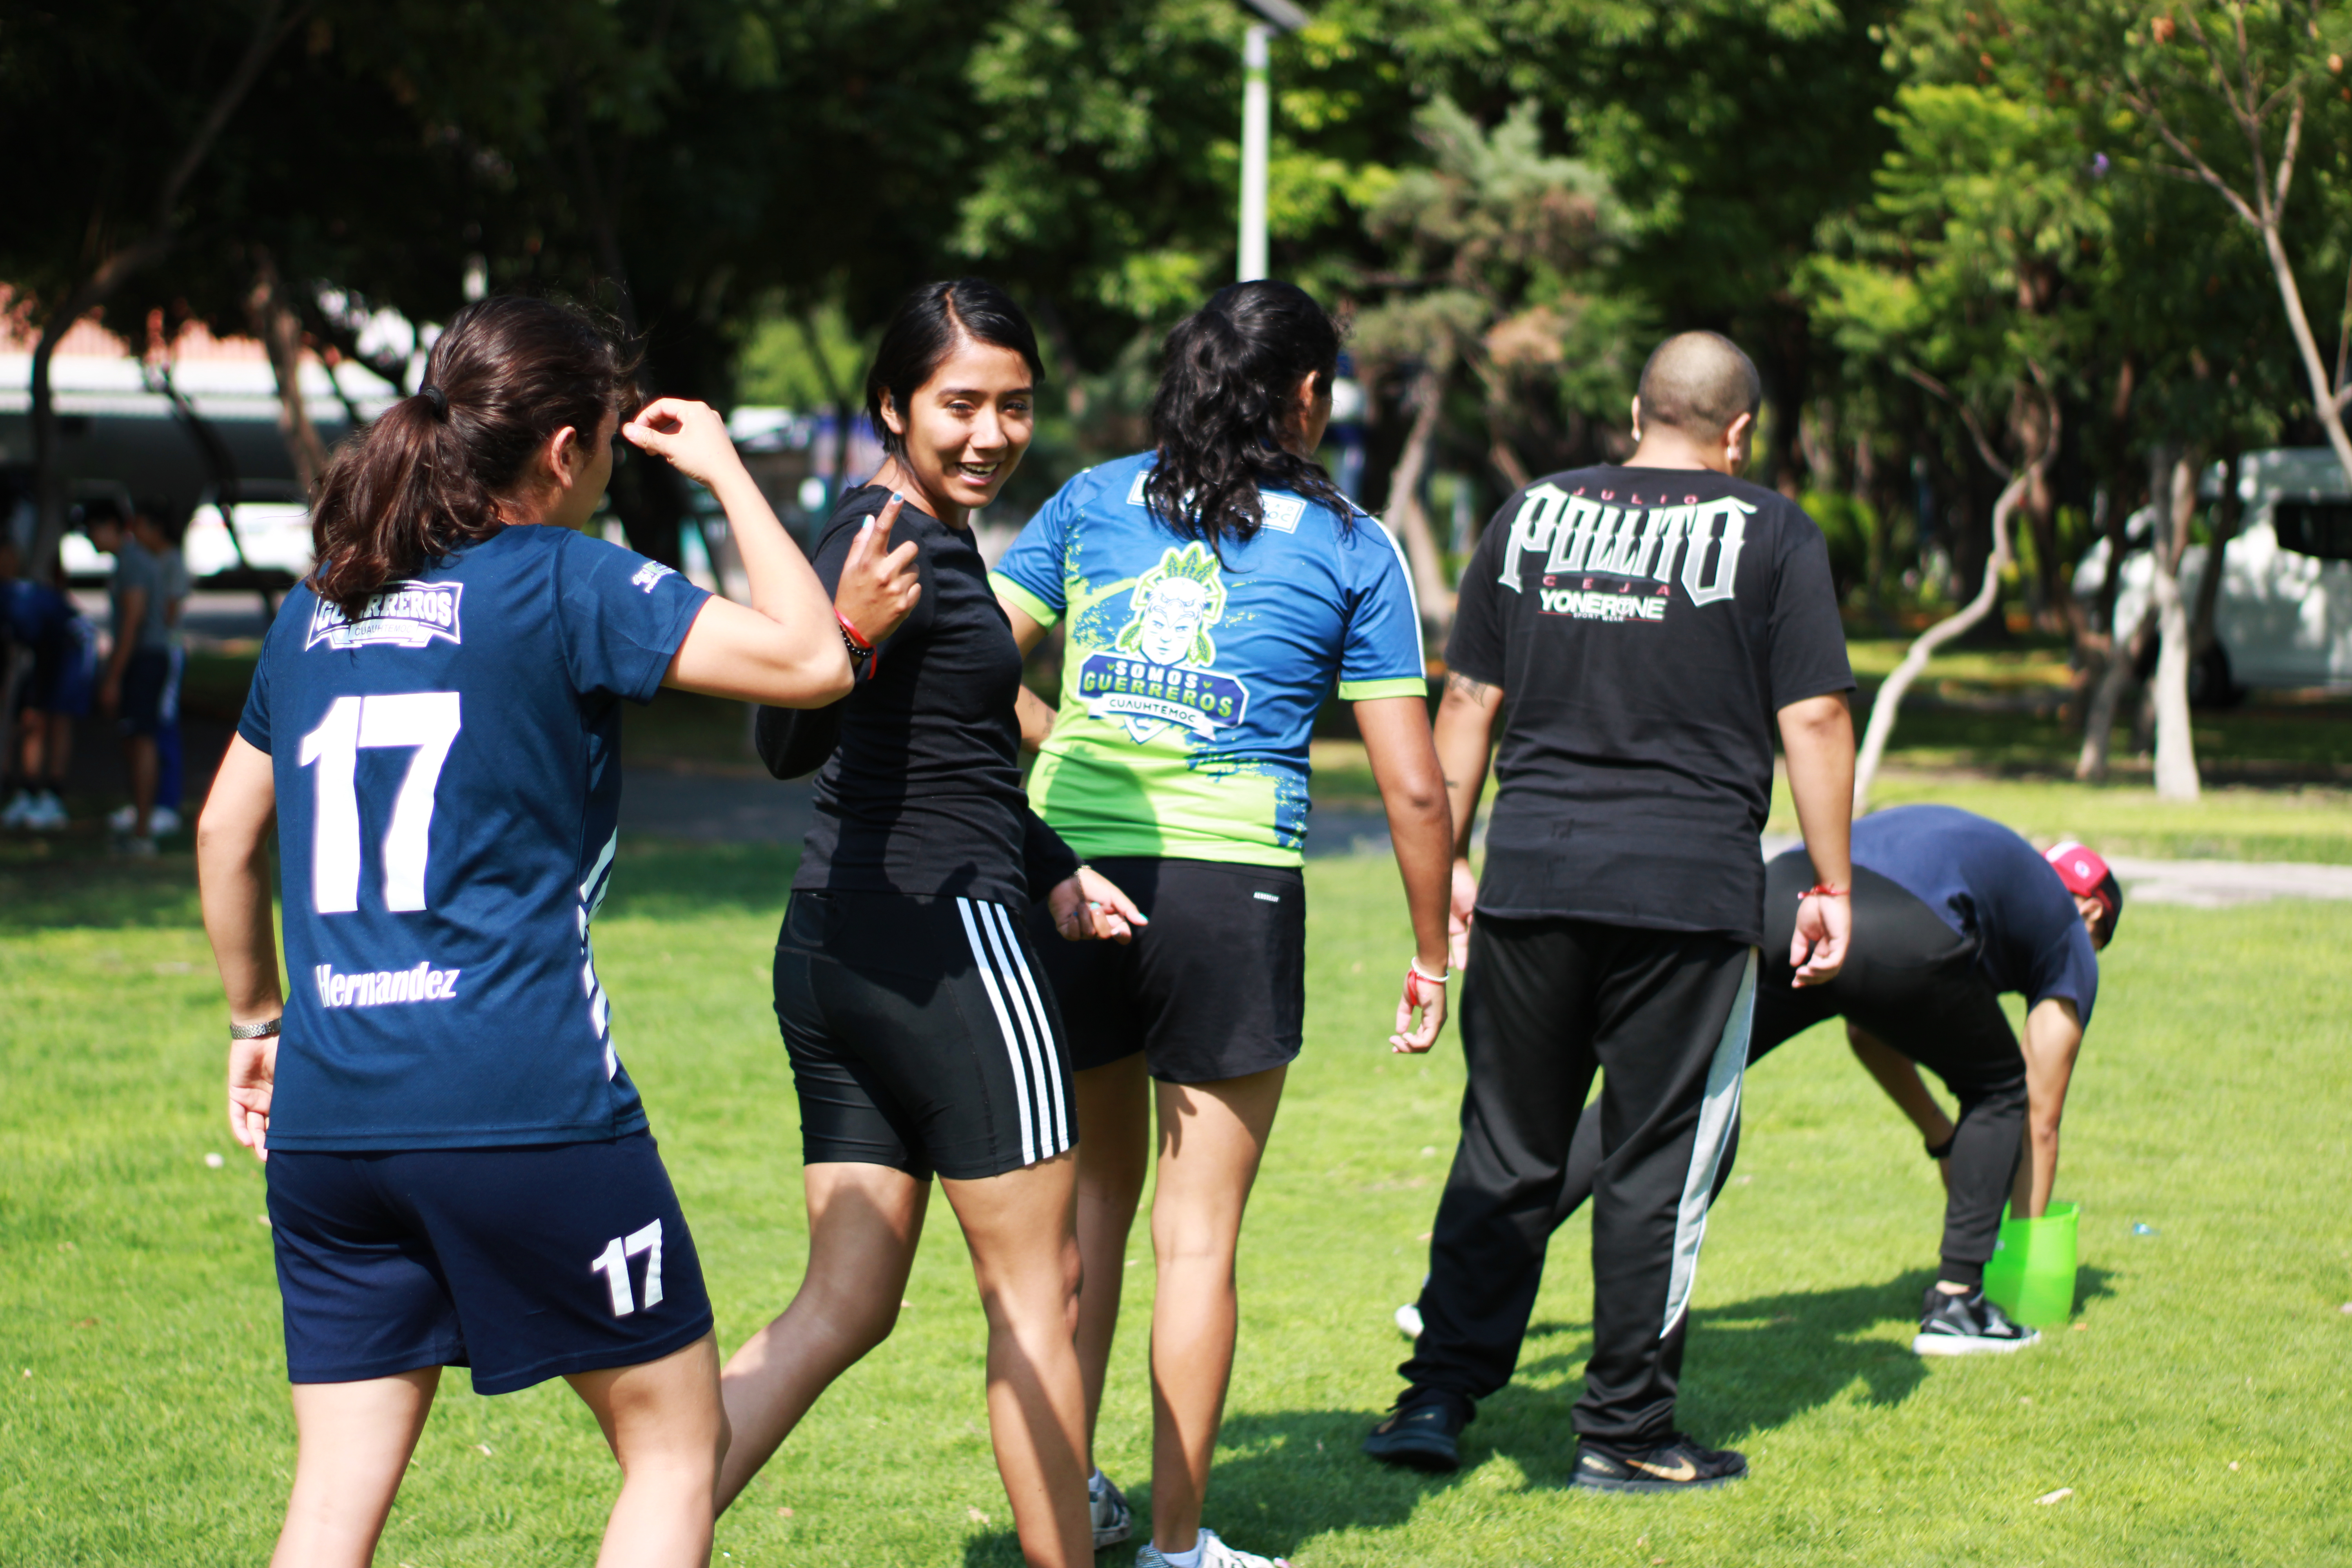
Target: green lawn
column 144, row 1417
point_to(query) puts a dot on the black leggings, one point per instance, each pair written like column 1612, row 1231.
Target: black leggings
column 1912, row 982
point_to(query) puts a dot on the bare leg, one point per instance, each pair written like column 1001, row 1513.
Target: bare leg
column 139, row 751
column 1026, row 1258
column 664, row 1421
column 1114, row 1155
column 864, row 1223
column 1211, row 1137
column 354, row 1444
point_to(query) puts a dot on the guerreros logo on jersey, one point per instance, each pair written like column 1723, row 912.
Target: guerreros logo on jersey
column 403, row 614
column 1157, row 672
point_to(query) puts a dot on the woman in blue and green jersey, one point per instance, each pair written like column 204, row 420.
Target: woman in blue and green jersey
column 1215, row 588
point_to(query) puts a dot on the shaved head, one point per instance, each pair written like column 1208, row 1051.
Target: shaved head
column 1699, row 382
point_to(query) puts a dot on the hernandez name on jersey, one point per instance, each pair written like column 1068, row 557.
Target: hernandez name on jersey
column 1192, row 674
column 448, row 798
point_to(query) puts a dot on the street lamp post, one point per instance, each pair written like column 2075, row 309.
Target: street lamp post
column 1256, row 111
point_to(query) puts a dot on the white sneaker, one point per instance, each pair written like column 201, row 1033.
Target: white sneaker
column 1215, row 1553
column 161, row 820
column 1113, row 1522
column 47, row 813
column 18, row 809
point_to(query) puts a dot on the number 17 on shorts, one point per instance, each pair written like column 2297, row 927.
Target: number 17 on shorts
column 612, row 1263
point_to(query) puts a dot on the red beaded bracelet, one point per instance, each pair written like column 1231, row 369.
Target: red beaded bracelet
column 1824, row 890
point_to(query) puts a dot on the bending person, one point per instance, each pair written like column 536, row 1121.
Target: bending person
column 1955, row 910
column 1216, row 589
column 922, row 1040
column 460, row 1171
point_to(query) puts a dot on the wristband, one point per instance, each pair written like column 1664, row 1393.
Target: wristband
column 1420, row 990
column 254, row 1031
column 852, row 636
column 1822, row 891
column 1943, row 1151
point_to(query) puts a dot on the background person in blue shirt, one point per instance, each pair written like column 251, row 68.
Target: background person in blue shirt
column 1951, row 911
column 460, row 1172
column 1215, row 591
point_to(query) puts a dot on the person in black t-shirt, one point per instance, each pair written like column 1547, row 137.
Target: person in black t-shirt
column 1651, row 626
column 923, row 1040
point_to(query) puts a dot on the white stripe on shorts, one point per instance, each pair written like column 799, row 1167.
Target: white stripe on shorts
column 1030, row 1032
column 1003, row 1022
column 1058, row 1133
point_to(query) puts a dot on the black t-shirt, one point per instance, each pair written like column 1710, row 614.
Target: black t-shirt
column 1645, row 627
column 921, row 793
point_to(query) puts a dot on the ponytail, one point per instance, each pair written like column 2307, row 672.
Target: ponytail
column 424, row 479
column 1230, row 386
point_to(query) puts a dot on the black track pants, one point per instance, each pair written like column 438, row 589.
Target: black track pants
column 1663, row 1016
column 1912, row 982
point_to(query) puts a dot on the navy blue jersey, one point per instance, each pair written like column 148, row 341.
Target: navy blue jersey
column 1985, row 882
column 448, row 801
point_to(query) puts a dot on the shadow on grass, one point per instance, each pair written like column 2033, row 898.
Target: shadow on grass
column 1287, row 1477
column 1754, row 1366
column 66, row 884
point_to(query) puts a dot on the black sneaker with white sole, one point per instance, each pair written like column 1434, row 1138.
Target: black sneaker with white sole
column 1968, row 1325
column 1421, row 1429
column 1676, row 1465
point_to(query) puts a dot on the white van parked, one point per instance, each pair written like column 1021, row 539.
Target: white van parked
column 2283, row 618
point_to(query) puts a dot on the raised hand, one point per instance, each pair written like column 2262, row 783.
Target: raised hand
column 690, row 435
column 879, row 586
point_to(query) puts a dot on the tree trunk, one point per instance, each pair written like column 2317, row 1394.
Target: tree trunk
column 280, row 327
column 1408, row 519
column 2227, row 517
column 2115, row 684
column 2323, row 396
column 1885, row 706
column 2176, row 755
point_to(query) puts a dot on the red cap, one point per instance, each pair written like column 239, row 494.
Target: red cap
column 2084, row 873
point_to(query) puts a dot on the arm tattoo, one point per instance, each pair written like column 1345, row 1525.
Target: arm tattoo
column 1471, row 691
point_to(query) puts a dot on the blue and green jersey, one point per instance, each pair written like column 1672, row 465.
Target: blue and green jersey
column 1191, row 675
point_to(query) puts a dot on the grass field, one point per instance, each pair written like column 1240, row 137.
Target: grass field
column 2198, row 1408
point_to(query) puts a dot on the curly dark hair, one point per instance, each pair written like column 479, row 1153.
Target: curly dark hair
column 1229, row 382
column 424, row 479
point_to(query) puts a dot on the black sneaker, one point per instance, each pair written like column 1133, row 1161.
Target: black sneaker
column 1421, row 1430
column 1676, row 1465
column 1968, row 1325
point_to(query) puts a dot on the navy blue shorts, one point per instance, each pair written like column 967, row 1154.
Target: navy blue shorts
column 523, row 1264
column 151, row 691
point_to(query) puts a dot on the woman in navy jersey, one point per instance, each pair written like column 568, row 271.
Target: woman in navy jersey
column 923, row 1040
column 460, row 1171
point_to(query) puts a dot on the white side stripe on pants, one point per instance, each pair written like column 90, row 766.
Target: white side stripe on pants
column 1028, row 1045
column 1717, row 1114
column 1058, row 1133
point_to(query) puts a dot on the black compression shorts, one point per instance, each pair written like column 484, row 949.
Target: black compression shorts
column 1213, row 988
column 922, row 1034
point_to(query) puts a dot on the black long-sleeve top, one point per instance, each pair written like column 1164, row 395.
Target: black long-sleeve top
column 918, row 787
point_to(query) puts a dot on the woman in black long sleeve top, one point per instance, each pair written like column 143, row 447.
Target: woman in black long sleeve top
column 923, row 1040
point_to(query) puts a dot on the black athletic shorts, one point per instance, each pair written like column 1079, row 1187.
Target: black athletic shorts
column 1213, row 988
column 922, row 1036
column 521, row 1263
column 151, row 691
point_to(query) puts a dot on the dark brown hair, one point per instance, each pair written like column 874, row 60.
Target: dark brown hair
column 424, row 479
column 925, row 329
